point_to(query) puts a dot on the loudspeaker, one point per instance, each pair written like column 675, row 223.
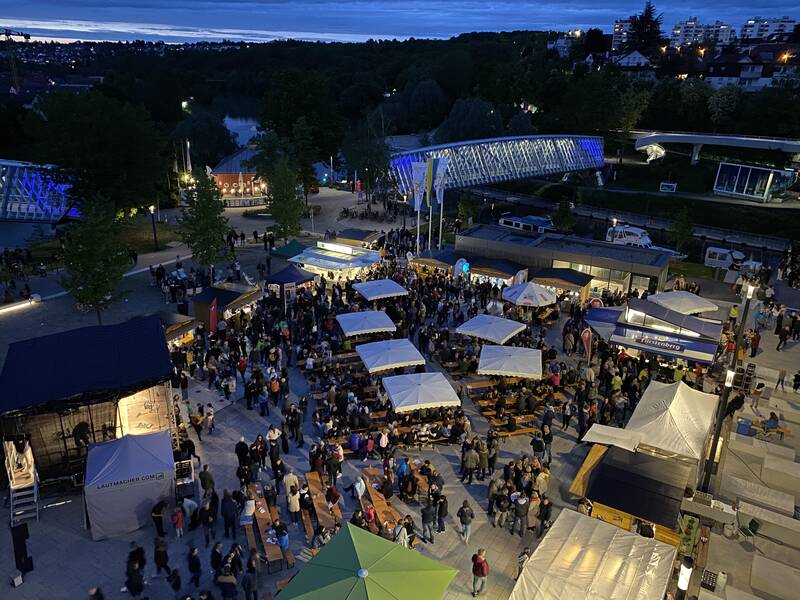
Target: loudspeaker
column 19, row 535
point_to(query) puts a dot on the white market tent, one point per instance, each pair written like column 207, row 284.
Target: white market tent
column 489, row 327
column 420, row 390
column 125, row 477
column 389, row 354
column 683, row 302
column 379, row 289
column 510, row 361
column 529, row 294
column 671, row 418
column 582, row 558
column 368, row 321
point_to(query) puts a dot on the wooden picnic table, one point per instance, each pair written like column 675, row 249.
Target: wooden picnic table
column 325, row 516
column 263, row 523
column 385, row 512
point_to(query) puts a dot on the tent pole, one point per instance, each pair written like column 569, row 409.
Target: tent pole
column 418, row 211
column 441, row 220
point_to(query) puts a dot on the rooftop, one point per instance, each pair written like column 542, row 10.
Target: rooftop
column 233, row 163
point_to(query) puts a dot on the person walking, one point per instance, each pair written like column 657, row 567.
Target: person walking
column 206, row 479
column 160, row 556
column 520, row 513
column 428, row 519
column 441, row 512
column 465, row 517
column 783, row 337
column 158, row 517
column 470, row 464
column 230, row 510
column 194, row 566
column 480, row 571
column 781, row 380
column 501, row 506
column 755, row 340
column 545, row 514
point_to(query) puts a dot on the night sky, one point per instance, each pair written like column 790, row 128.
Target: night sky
column 261, row 20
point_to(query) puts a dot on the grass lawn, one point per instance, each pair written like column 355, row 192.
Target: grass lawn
column 691, row 270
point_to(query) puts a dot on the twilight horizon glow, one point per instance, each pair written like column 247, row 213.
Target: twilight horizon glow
column 354, row 21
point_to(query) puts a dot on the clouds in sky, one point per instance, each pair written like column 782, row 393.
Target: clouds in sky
column 263, row 20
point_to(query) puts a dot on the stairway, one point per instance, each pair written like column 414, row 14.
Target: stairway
column 25, row 502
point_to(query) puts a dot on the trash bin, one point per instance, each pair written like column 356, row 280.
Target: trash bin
column 743, row 426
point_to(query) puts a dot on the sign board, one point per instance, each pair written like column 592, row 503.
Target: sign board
column 657, row 342
column 668, row 187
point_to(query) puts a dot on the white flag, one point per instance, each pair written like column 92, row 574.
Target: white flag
column 419, row 171
column 438, row 179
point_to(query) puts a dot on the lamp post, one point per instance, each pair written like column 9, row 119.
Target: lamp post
column 152, row 209
column 726, row 391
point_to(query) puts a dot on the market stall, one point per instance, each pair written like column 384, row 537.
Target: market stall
column 286, row 282
column 71, row 389
column 378, row 289
column 412, row 392
column 565, row 280
column 223, row 301
column 365, row 322
column 334, row 260
column 685, row 303
column 582, row 558
column 290, row 250
column 178, row 329
column 489, row 327
column 389, row 354
column 510, row 361
column 124, row 479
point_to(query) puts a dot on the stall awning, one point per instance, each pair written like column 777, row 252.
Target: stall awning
column 603, row 320
column 529, row 294
column 704, row 329
column 657, row 342
column 683, row 302
column 176, row 325
column 440, row 259
column 489, row 327
column 510, row 361
column 290, row 274
column 389, row 354
column 86, row 365
column 368, row 321
column 419, row 390
column 674, row 419
column 565, row 279
column 582, row 558
column 291, row 249
column 640, row 484
column 498, row 268
column 327, row 256
column 229, row 296
column 380, row 288
column 612, row 436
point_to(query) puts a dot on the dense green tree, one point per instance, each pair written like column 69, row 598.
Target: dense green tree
column 366, row 152
column 102, row 147
column 470, row 119
column 94, row 259
column 722, row 106
column 204, row 224
column 355, row 101
column 521, row 124
column 563, row 219
column 645, row 34
column 428, row 104
column 303, row 154
column 594, row 41
column 296, row 93
column 681, row 229
column 269, row 150
column 287, row 204
column 209, row 139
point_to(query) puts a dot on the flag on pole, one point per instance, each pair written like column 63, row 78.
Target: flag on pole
column 418, row 172
column 213, row 316
column 438, row 181
column 429, row 175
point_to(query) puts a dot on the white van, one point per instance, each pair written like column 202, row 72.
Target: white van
column 722, row 258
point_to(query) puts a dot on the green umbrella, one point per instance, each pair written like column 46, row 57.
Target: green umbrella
column 358, row 565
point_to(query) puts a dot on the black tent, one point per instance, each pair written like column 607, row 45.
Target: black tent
column 290, row 274
column 642, row 485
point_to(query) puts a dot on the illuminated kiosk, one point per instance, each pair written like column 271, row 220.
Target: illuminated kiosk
column 67, row 390
column 337, row 261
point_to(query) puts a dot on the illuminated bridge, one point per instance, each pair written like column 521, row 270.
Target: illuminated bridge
column 484, row 162
column 27, row 193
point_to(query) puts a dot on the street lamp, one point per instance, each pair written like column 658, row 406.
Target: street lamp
column 726, row 391
column 152, row 210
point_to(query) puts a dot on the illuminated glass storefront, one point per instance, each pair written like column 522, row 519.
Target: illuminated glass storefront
column 610, row 279
column 755, row 183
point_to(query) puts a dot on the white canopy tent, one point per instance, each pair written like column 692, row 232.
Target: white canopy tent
column 683, row 302
column 420, row 390
column 125, row 477
column 674, row 419
column 380, row 288
column 510, row 361
column 489, row 327
column 582, row 558
column 529, row 294
column 670, row 418
column 368, row 321
column 389, row 354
